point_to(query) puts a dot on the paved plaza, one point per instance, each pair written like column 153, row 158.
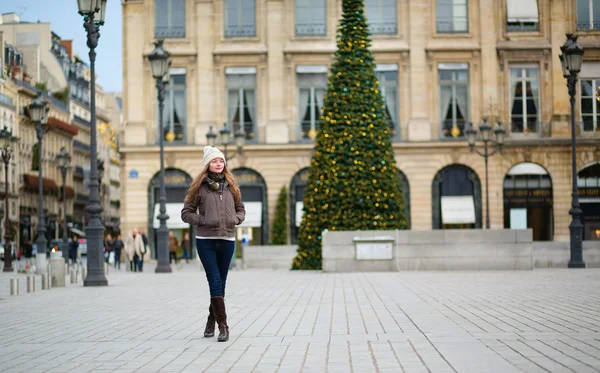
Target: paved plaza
column 282, row 321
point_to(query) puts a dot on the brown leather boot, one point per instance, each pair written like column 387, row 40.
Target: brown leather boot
column 218, row 304
column 209, row 331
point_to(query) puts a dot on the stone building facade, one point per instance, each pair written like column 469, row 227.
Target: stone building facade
column 261, row 66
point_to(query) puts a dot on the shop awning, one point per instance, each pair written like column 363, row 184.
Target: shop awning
column 527, row 168
column 522, row 11
column 458, row 210
column 30, row 182
column 174, row 212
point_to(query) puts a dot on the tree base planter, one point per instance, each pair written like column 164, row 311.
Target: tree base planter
column 439, row 250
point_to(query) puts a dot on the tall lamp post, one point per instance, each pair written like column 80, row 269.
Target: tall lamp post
column 570, row 61
column 6, row 145
column 64, row 160
column 93, row 12
column 240, row 137
column 486, row 133
column 159, row 62
column 38, row 110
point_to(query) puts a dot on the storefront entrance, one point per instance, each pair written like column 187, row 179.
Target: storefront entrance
column 176, row 184
column 456, row 198
column 588, row 181
column 528, row 200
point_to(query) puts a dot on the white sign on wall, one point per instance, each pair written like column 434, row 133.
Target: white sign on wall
column 299, row 212
column 518, row 218
column 458, row 210
column 253, row 215
column 374, row 251
column 174, row 212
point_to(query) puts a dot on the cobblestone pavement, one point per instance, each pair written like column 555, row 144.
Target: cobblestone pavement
column 530, row 321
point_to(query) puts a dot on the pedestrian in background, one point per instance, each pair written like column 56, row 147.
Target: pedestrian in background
column 133, row 248
column 117, row 248
column 185, row 244
column 214, row 204
column 108, row 247
column 145, row 241
column 73, row 246
column 173, row 246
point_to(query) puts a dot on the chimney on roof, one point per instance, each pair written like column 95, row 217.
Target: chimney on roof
column 11, row 18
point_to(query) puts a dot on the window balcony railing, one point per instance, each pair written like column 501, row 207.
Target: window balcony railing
column 383, row 28
column 311, row 29
column 588, row 26
column 452, row 26
column 234, row 31
column 169, row 32
column 522, row 26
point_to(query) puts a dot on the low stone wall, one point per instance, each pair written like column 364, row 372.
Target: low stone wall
column 275, row 257
column 356, row 251
column 557, row 254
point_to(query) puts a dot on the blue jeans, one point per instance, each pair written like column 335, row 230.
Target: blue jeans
column 215, row 256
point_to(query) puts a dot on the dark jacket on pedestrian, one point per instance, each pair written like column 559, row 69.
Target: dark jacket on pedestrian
column 173, row 244
column 117, row 246
column 73, row 246
column 108, row 245
column 214, row 212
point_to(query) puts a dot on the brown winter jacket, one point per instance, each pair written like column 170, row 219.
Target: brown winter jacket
column 214, row 213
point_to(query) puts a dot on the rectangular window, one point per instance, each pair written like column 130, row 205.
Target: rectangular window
column 175, row 111
column 524, row 99
column 170, row 19
column 522, row 15
column 381, row 16
column 240, row 18
column 590, row 106
column 454, row 98
column 311, row 93
column 388, row 85
column 311, row 17
column 241, row 100
column 588, row 15
column 452, row 16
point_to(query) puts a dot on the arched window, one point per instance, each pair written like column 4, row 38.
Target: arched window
column 456, row 198
column 177, row 183
column 528, row 200
column 588, row 182
column 406, row 191
column 297, row 188
column 254, row 194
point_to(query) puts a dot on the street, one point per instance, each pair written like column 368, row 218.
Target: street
column 283, row 321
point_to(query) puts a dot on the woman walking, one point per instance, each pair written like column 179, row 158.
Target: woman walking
column 214, row 204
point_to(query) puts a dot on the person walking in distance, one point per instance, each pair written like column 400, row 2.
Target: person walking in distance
column 185, row 244
column 145, row 241
column 214, row 204
column 173, row 245
column 117, row 248
column 73, row 247
column 108, row 247
column 133, row 248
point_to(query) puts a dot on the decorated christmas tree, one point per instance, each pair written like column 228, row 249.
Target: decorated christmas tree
column 279, row 229
column 353, row 182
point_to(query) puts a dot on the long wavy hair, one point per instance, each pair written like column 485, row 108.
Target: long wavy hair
column 195, row 185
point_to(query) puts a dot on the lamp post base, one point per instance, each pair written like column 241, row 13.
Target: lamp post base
column 163, row 268
column 578, row 264
column 95, row 280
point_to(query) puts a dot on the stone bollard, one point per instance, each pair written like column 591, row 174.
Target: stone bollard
column 31, row 284
column 44, row 282
column 73, row 277
column 57, row 274
column 14, row 286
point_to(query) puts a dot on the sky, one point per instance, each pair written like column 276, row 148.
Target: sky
column 68, row 24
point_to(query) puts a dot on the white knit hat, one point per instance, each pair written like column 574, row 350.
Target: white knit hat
column 211, row 153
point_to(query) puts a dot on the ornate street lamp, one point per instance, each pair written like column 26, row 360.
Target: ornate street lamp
column 38, row 111
column 486, row 133
column 240, row 137
column 159, row 62
column 7, row 141
column 64, row 161
column 570, row 62
column 93, row 12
